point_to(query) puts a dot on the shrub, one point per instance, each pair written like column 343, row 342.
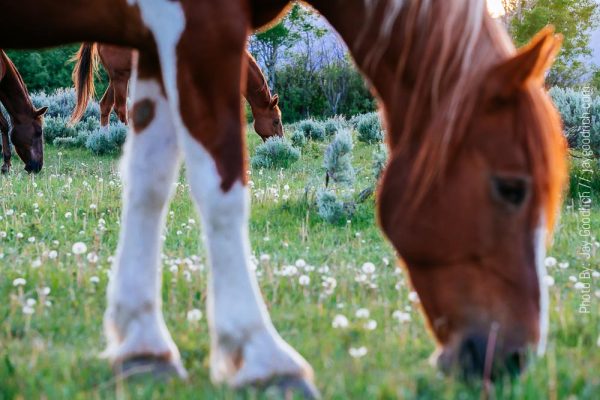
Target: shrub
column 275, row 153
column 338, row 159
column 380, row 158
column 70, row 142
column 369, row 128
column 331, row 209
column 572, row 106
column 298, row 139
column 57, row 127
column 334, row 125
column 61, row 103
column 312, row 129
column 107, row 140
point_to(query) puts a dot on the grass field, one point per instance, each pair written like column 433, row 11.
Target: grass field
column 52, row 301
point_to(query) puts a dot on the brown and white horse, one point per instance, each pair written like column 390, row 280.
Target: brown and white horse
column 472, row 188
column 117, row 61
column 26, row 134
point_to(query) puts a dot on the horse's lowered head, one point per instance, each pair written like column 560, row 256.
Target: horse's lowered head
column 27, row 137
column 474, row 241
column 267, row 119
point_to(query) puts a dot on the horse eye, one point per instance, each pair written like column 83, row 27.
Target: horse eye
column 276, row 122
column 511, row 190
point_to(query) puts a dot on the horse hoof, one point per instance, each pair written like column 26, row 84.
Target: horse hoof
column 156, row 367
column 287, row 387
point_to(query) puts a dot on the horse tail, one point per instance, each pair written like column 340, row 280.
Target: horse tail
column 83, row 78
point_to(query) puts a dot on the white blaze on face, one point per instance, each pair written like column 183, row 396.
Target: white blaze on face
column 540, row 256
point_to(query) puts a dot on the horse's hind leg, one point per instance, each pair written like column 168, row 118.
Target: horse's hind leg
column 106, row 104
column 138, row 338
column 120, row 89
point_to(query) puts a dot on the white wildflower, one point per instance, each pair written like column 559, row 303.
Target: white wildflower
column 79, row 248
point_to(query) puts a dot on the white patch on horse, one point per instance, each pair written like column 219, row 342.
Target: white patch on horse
column 245, row 347
column 133, row 322
column 540, row 257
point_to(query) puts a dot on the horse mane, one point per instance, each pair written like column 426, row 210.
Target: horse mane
column 447, row 48
column 11, row 69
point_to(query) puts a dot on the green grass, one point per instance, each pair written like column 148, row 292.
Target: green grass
column 53, row 353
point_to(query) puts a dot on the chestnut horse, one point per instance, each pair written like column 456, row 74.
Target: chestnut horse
column 117, row 61
column 471, row 191
column 26, row 134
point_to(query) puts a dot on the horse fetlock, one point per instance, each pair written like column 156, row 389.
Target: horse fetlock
column 139, row 333
column 257, row 358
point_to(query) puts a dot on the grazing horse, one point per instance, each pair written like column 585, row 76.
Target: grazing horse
column 476, row 171
column 26, row 134
column 117, row 61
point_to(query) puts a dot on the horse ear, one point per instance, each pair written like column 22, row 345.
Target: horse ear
column 528, row 67
column 40, row 112
column 274, row 101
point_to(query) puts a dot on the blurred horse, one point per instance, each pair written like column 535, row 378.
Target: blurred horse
column 474, row 182
column 26, row 121
column 117, row 61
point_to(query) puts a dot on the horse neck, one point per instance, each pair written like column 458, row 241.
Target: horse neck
column 13, row 92
column 417, row 53
column 257, row 89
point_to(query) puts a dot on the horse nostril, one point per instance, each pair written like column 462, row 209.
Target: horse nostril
column 471, row 356
column 474, row 360
column 33, row 166
column 515, row 363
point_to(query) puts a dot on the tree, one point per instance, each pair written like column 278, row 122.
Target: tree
column 573, row 18
column 48, row 70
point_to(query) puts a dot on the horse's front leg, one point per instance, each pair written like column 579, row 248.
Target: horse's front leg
column 202, row 72
column 138, row 339
column 6, row 152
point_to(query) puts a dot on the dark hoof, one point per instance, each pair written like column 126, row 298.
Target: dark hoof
column 290, row 387
column 155, row 367
column 5, row 170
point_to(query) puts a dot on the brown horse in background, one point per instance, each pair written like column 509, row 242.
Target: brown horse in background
column 474, row 183
column 26, row 133
column 117, row 61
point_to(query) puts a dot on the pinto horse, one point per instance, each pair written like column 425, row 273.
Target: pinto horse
column 474, row 182
column 117, row 61
column 27, row 121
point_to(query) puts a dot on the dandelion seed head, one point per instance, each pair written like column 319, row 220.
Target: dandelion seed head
column 357, row 352
column 194, row 315
column 79, row 248
column 340, row 322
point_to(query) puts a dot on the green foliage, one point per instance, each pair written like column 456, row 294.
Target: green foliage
column 330, row 208
column 333, row 125
column 48, row 70
column 61, row 103
column 574, row 19
column 58, row 127
column 369, row 128
column 580, row 112
column 107, row 140
column 380, row 159
column 338, row 159
column 299, row 139
column 302, row 92
column 275, row 153
column 313, row 130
